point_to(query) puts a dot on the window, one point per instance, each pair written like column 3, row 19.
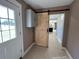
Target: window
column 7, row 24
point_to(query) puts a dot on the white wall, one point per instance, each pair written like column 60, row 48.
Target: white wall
column 60, row 27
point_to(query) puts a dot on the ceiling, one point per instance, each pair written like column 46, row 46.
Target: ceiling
column 41, row 4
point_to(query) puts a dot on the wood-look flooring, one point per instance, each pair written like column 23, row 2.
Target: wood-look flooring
column 54, row 51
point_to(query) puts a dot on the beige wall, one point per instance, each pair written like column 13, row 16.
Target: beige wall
column 27, row 32
column 73, row 35
column 41, row 34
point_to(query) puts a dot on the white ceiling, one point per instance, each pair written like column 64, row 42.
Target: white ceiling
column 39, row 4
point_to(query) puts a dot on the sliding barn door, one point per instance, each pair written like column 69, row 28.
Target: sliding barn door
column 41, row 34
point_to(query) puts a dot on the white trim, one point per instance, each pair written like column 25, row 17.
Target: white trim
column 22, row 43
column 68, row 54
column 28, row 49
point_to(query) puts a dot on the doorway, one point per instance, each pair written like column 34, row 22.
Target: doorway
column 56, row 27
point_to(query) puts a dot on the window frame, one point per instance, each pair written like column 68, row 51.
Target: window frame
column 9, row 25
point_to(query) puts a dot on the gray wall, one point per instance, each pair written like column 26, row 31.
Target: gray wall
column 27, row 32
column 66, row 27
column 73, row 35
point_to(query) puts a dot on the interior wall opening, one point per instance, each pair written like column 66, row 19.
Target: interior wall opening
column 56, row 28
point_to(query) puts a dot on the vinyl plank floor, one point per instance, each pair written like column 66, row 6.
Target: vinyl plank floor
column 54, row 51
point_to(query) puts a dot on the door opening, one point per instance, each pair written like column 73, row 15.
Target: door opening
column 56, row 27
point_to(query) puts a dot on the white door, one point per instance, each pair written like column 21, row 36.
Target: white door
column 10, row 42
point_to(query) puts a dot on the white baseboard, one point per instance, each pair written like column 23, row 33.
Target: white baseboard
column 67, row 52
column 28, row 49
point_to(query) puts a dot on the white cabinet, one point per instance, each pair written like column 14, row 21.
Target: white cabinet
column 30, row 18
